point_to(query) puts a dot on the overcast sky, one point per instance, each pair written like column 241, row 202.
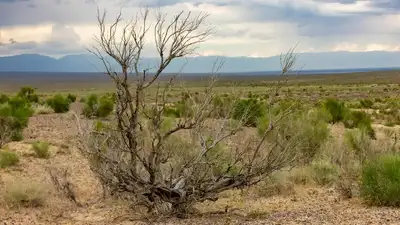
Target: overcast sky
column 242, row 27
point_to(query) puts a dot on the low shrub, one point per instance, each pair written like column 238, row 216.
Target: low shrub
column 29, row 94
column 361, row 120
column 59, row 103
column 14, row 117
column 8, row 158
column 98, row 107
column 249, row 111
column 324, row 172
column 335, row 109
column 277, row 184
column 366, row 103
column 307, row 130
column 41, row 149
column 3, row 98
column 18, row 194
column 42, row 109
column 82, row 100
column 71, row 97
column 380, row 181
column 359, row 142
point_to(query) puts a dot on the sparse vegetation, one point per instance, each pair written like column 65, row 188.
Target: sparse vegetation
column 28, row 93
column 8, row 158
column 335, row 109
column 71, row 97
column 366, row 103
column 41, row 149
column 168, row 145
column 59, row 103
column 98, row 107
column 14, row 117
column 19, row 194
column 380, row 184
column 248, row 110
column 42, row 109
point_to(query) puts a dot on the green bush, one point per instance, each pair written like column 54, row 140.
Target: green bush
column 305, row 132
column 8, row 158
column 359, row 119
column 249, row 111
column 71, row 97
column 29, row 94
column 3, row 98
column 98, row 107
column 335, row 109
column 59, row 103
column 359, row 143
column 380, row 181
column 14, row 117
column 324, row 172
column 41, row 149
column 221, row 106
column 366, row 103
column 82, row 100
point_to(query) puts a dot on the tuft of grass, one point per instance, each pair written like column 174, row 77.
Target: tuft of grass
column 19, row 194
column 71, row 97
column 42, row 109
column 380, row 181
column 366, row 103
column 41, row 149
column 324, row 172
column 277, row 184
column 8, row 158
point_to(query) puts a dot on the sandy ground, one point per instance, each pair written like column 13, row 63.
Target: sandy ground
column 308, row 205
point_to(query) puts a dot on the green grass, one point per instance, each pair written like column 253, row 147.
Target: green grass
column 380, row 183
column 8, row 158
column 41, row 149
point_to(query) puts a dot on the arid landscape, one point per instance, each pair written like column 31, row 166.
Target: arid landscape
column 308, row 194
column 199, row 112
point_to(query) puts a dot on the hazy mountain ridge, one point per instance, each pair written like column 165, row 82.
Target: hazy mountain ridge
column 203, row 64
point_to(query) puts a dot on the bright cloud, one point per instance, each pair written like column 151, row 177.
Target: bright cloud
column 242, row 28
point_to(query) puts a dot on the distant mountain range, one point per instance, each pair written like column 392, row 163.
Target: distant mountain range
column 203, row 64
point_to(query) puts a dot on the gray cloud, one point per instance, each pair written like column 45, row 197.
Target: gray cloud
column 325, row 26
column 63, row 40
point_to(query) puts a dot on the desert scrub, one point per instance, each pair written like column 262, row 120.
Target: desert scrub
column 335, row 109
column 277, row 184
column 8, row 158
column 3, row 98
column 18, row 194
column 14, row 116
column 249, row 111
column 28, row 93
column 366, row 103
column 380, row 181
column 359, row 119
column 41, row 149
column 359, row 143
column 42, row 109
column 59, row 103
column 324, row 172
column 98, row 107
column 71, row 97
